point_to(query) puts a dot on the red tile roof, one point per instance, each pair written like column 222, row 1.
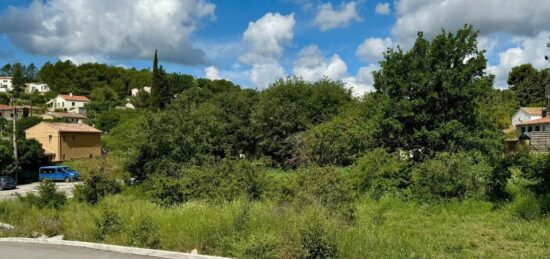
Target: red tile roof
column 76, row 98
column 71, row 127
column 543, row 120
column 5, row 107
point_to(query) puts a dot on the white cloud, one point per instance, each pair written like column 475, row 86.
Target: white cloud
column 265, row 40
column 267, row 37
column 530, row 50
column 382, row 8
column 212, row 73
column 263, row 74
column 329, row 18
column 372, row 49
column 312, row 66
column 515, row 17
column 81, row 59
column 106, row 29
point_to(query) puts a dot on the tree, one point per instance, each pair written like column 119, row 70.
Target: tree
column 433, row 92
column 526, row 82
column 160, row 94
column 18, row 80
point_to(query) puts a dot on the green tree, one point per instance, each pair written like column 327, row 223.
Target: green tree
column 160, row 94
column 18, row 80
column 433, row 92
column 526, row 82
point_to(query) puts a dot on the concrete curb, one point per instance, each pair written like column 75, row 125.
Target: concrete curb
column 110, row 248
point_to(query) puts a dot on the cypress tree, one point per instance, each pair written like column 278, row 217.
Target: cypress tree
column 160, row 94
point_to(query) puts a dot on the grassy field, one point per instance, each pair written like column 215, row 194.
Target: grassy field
column 388, row 228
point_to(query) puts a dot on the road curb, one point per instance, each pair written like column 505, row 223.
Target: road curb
column 110, row 248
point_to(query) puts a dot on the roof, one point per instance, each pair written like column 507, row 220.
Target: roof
column 6, row 77
column 76, row 98
column 5, row 107
column 69, row 127
column 66, row 115
column 543, row 120
column 533, row 110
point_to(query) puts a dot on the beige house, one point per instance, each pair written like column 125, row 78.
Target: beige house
column 65, row 141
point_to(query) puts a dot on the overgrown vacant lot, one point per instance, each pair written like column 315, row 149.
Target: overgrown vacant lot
column 385, row 228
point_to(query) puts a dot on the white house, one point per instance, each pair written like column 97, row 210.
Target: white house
column 68, row 103
column 525, row 114
column 5, row 84
column 69, row 117
column 36, row 87
column 135, row 91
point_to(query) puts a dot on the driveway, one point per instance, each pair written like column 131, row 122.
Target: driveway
column 27, row 188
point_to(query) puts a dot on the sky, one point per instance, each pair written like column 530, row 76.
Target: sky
column 254, row 42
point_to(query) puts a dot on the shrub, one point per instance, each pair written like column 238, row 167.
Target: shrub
column 317, row 242
column 95, row 188
column 379, row 172
column 451, row 175
column 261, row 245
column 107, row 224
column 47, row 197
column 527, row 207
column 165, row 191
column 145, row 234
column 326, row 187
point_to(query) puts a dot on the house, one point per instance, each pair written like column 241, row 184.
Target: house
column 68, row 117
column 68, row 103
column 65, row 141
column 36, row 87
column 527, row 114
column 7, row 112
column 146, row 89
column 5, row 84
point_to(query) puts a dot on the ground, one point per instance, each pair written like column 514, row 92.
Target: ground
column 26, row 188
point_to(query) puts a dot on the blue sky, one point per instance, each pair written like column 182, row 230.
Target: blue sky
column 253, row 42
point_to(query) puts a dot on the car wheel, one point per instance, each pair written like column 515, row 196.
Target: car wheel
column 67, row 179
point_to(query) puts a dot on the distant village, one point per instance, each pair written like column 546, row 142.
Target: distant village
column 64, row 134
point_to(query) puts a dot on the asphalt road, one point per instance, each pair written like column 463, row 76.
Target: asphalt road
column 50, row 251
column 26, row 188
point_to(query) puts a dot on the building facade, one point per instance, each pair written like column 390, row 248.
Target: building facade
column 66, row 141
column 36, row 87
column 7, row 112
column 5, row 84
column 68, row 103
column 68, row 117
column 525, row 114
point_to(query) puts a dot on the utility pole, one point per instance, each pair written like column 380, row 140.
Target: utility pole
column 14, row 136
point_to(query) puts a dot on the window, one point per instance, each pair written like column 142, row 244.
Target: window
column 530, row 129
column 63, row 104
column 63, row 156
column 73, row 137
column 50, row 138
column 537, row 128
column 522, row 129
column 73, row 104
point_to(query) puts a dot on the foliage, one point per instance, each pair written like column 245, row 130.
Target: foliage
column 432, row 91
column 30, row 154
column 451, row 175
column 379, row 172
column 165, row 191
column 18, row 79
column 47, row 196
column 526, row 82
column 291, row 106
column 95, row 188
column 160, row 92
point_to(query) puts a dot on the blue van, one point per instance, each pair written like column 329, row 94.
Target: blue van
column 57, row 173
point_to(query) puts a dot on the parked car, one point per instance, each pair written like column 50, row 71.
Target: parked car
column 7, row 183
column 58, row 173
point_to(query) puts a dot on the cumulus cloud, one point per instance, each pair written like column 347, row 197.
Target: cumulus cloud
column 329, row 18
column 266, row 40
column 382, row 8
column 372, row 49
column 312, row 66
column 530, row 50
column 515, row 17
column 106, row 29
column 212, row 73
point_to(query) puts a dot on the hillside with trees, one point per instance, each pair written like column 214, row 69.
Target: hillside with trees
column 304, row 169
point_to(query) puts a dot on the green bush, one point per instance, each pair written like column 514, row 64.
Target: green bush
column 379, row 172
column 527, row 207
column 165, row 191
column 145, row 234
column 318, row 242
column 47, row 197
column 92, row 190
column 109, row 223
column 262, row 245
column 451, row 175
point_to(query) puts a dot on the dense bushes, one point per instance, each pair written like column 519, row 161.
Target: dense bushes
column 458, row 175
column 47, row 197
column 93, row 189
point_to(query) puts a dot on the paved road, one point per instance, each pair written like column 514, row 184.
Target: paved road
column 26, row 188
column 49, row 251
